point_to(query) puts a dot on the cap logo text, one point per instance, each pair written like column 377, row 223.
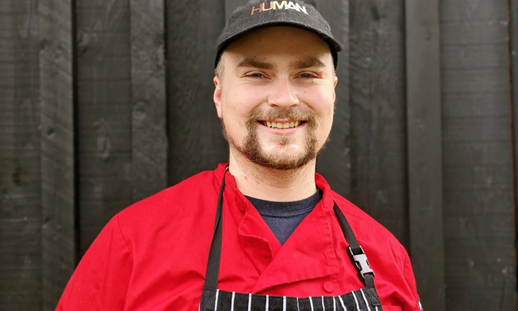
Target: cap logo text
column 283, row 5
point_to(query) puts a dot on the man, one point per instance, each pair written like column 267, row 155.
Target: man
column 263, row 232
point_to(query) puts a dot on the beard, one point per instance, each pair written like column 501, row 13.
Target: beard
column 251, row 147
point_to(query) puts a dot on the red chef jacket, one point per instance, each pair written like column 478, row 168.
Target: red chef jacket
column 153, row 254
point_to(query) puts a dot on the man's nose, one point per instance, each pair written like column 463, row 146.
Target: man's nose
column 283, row 94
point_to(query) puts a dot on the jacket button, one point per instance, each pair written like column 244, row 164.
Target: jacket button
column 329, row 287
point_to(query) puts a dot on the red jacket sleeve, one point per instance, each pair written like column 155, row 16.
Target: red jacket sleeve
column 410, row 279
column 100, row 281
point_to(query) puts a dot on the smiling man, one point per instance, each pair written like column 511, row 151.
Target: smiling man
column 275, row 96
column 263, row 231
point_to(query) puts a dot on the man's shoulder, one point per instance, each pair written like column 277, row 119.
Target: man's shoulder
column 160, row 223
column 187, row 194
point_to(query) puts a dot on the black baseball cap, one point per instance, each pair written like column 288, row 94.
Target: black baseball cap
column 260, row 13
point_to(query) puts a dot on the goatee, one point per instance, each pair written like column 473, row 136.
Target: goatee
column 251, row 147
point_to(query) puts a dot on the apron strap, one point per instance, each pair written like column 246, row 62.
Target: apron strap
column 212, row 273
column 355, row 251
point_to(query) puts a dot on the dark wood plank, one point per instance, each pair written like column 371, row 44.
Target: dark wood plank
column 478, row 207
column 20, row 170
column 194, row 131
column 458, row 32
column 378, row 136
column 149, row 138
column 231, row 5
column 20, row 259
column 476, row 11
column 104, row 113
column 512, row 13
column 334, row 162
column 57, row 147
column 425, row 150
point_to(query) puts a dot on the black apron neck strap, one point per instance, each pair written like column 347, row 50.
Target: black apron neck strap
column 355, row 251
column 212, row 273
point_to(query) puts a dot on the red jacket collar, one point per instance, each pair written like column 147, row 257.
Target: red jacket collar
column 230, row 184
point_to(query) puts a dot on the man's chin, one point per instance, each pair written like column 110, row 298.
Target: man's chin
column 282, row 160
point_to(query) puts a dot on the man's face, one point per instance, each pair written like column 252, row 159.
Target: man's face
column 275, row 96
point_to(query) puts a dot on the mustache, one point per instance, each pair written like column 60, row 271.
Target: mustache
column 277, row 113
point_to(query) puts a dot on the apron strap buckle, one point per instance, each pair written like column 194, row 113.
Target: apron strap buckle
column 361, row 262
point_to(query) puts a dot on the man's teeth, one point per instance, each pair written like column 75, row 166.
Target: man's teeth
column 282, row 125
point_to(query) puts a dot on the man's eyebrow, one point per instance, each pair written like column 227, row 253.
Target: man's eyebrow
column 299, row 64
column 307, row 63
column 250, row 62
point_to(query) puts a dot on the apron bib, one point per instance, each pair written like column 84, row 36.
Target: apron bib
column 213, row 299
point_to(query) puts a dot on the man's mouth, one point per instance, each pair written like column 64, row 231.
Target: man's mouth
column 282, row 125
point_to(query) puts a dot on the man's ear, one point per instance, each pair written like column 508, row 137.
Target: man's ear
column 335, row 82
column 217, row 95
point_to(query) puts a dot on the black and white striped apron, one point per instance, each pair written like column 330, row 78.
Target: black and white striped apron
column 213, row 299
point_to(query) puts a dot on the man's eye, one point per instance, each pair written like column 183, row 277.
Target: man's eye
column 307, row 75
column 255, row 75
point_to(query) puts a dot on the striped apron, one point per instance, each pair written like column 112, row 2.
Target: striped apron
column 213, row 299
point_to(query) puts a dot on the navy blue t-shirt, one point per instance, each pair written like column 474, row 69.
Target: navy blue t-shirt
column 284, row 217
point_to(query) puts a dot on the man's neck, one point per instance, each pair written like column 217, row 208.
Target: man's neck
column 273, row 185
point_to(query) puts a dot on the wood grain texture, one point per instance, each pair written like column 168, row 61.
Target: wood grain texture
column 149, row 138
column 104, row 113
column 479, row 230
column 378, row 134
column 334, row 162
column 20, row 170
column 57, row 148
column 513, row 62
column 194, row 131
column 231, row 5
column 423, row 86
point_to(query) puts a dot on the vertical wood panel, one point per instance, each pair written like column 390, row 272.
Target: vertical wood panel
column 20, row 197
column 104, row 113
column 231, row 5
column 57, row 147
column 425, row 150
column 334, row 162
column 478, row 210
column 378, row 143
column 149, row 139
column 513, row 62
column 194, row 131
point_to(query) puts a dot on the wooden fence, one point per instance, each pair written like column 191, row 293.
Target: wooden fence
column 104, row 102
